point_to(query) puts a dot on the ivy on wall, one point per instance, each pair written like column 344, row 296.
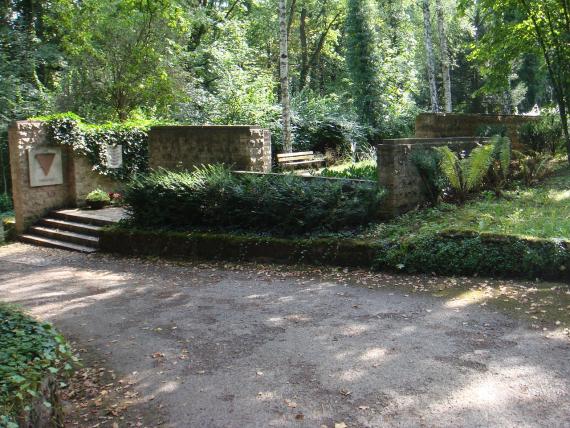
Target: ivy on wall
column 91, row 141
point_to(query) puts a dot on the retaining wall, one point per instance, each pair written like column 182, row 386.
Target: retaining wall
column 245, row 148
column 443, row 125
column 399, row 176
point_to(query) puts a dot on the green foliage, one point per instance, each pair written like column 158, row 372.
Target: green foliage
column 531, row 166
column 90, row 141
column 363, row 61
column 474, row 254
column 213, row 197
column 5, row 202
column 468, row 174
column 29, row 351
column 543, row 135
column 98, row 195
column 427, row 162
column 488, row 131
column 365, row 170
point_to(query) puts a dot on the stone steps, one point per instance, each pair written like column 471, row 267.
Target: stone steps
column 74, row 230
column 55, row 243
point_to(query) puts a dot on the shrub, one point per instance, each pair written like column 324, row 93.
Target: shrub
column 483, row 254
column 543, row 135
column 29, row 351
column 5, row 202
column 531, row 166
column 427, row 163
column 214, row 197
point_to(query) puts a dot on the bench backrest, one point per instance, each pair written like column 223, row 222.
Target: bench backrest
column 299, row 156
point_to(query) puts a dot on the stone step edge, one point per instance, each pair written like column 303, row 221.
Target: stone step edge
column 54, row 243
column 64, row 233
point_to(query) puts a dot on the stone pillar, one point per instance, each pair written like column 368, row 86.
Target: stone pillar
column 47, row 184
column 399, row 177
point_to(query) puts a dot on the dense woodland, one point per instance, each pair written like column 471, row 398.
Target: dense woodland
column 355, row 67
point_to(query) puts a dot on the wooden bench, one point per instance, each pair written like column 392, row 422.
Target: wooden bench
column 299, row 159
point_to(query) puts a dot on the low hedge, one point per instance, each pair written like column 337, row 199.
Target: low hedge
column 472, row 253
column 213, row 197
column 30, row 353
column 450, row 253
column 226, row 246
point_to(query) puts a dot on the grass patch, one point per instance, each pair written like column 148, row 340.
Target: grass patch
column 542, row 211
column 363, row 170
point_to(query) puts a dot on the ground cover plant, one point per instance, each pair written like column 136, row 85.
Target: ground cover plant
column 524, row 232
column 363, row 170
column 29, row 351
column 214, row 197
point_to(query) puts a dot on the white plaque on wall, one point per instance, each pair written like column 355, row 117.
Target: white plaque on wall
column 114, row 156
column 46, row 168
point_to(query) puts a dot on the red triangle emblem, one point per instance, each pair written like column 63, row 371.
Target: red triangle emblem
column 46, row 161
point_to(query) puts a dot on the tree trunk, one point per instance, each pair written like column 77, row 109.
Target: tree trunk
column 444, row 56
column 284, row 78
column 430, row 57
column 304, row 53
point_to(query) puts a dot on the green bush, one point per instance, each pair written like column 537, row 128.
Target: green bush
column 543, row 135
column 5, row 202
column 213, row 197
column 29, row 351
column 478, row 254
column 427, row 164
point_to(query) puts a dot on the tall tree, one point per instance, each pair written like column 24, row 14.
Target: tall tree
column 445, row 63
column 284, row 77
column 430, row 57
column 517, row 27
column 363, row 61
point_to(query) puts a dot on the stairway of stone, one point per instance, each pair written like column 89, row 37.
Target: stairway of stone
column 74, row 230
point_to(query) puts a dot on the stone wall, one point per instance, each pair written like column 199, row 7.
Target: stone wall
column 86, row 180
column 399, row 176
column 33, row 202
column 246, row 148
column 441, row 125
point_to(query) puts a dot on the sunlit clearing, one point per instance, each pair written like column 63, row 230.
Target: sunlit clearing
column 559, row 196
column 374, row 354
column 466, row 298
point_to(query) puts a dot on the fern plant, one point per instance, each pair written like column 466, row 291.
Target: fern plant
column 466, row 174
column 499, row 172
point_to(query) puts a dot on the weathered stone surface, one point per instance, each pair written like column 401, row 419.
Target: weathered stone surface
column 28, row 138
column 33, row 202
column 245, row 148
column 440, row 125
column 399, row 176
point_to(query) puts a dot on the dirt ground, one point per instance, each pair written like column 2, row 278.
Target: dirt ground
column 228, row 345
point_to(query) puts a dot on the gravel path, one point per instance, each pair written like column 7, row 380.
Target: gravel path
column 205, row 345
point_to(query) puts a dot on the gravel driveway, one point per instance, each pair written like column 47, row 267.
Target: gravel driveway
column 208, row 345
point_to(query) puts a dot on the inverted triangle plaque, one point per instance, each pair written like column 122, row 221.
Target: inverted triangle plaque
column 46, row 161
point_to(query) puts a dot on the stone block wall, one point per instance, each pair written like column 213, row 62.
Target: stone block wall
column 443, row 125
column 399, row 176
column 31, row 203
column 246, row 148
column 85, row 180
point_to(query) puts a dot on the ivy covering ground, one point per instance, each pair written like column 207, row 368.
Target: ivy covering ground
column 29, row 351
